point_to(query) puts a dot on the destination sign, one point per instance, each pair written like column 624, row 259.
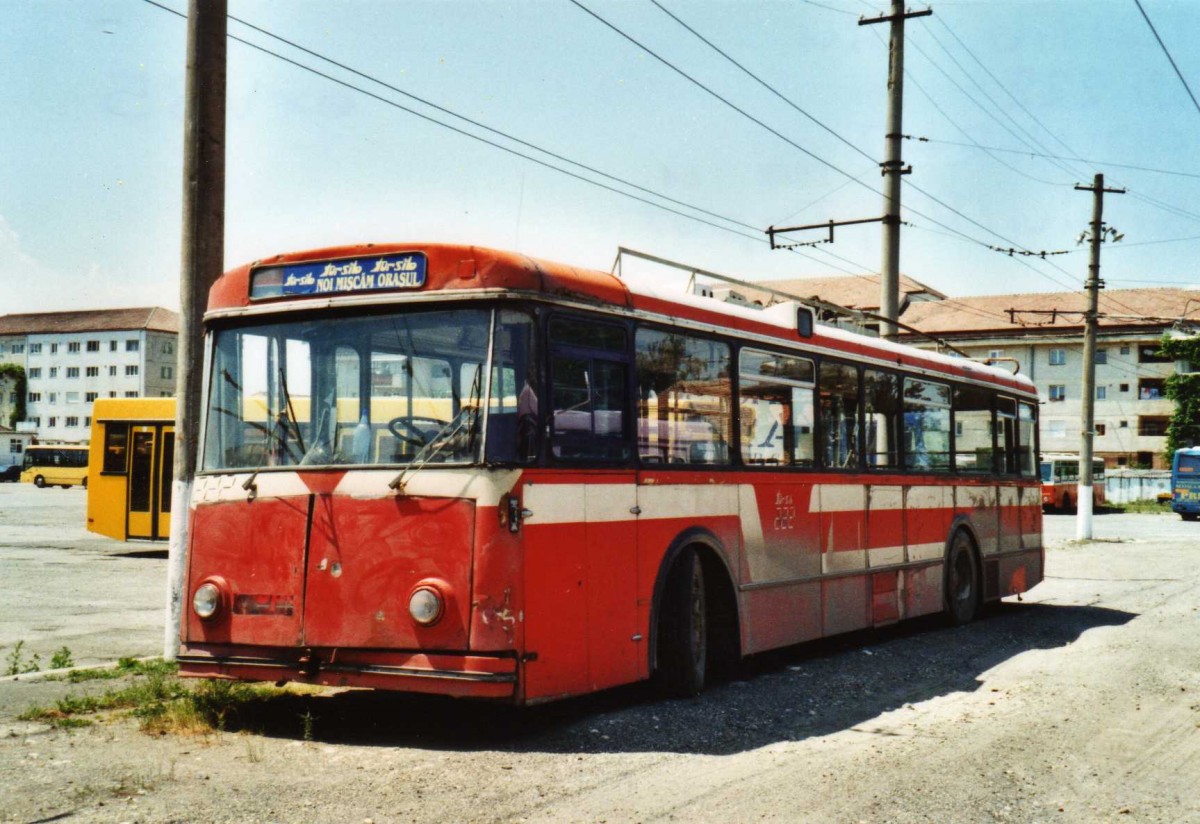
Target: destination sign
column 340, row 277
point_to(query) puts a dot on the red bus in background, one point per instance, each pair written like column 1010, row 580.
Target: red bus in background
column 1060, row 482
column 448, row 469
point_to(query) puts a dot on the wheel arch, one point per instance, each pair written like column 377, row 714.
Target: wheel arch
column 719, row 590
column 963, row 522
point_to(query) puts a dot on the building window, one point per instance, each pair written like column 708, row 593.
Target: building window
column 112, row 394
column 1058, row 391
column 1058, row 357
column 54, row 349
column 1101, row 392
column 35, row 349
column 112, row 371
column 18, row 348
column 14, row 447
column 995, row 353
column 131, row 394
column 90, row 396
column 93, row 346
column 168, row 347
column 73, row 347
column 168, row 372
column 112, row 346
column 53, row 398
column 54, row 371
column 35, row 397
column 131, row 346
column 1124, row 387
column 1153, row 425
column 72, row 420
column 165, row 394
column 93, row 371
column 1101, row 356
column 131, row 370
column 87, row 421
column 35, row 372
column 72, row 371
column 36, row 421
column 1148, row 353
column 72, row 397
column 1101, row 430
column 1124, row 350
column 52, row 422
column 1151, row 389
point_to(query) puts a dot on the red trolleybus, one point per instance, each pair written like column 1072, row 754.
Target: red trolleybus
column 448, row 469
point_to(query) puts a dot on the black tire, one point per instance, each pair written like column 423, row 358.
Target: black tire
column 39, row 482
column 1066, row 504
column 683, row 629
column 962, row 579
column 66, row 486
column 85, row 483
column 1188, row 516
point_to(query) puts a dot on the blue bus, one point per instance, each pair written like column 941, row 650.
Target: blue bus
column 1185, row 483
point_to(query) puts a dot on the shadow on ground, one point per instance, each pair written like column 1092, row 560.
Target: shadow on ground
column 788, row 695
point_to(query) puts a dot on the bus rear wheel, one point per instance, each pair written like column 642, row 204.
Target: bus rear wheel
column 683, row 629
column 962, row 579
column 39, row 482
column 1188, row 516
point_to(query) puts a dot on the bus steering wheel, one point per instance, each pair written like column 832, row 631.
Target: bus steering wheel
column 415, row 435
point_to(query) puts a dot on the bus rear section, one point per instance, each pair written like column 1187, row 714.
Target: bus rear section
column 513, row 480
column 1185, row 483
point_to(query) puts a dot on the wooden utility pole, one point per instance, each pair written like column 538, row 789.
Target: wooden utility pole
column 202, row 262
column 893, row 168
column 1083, row 520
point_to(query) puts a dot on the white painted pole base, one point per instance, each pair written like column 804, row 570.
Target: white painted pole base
column 1083, row 514
column 181, row 499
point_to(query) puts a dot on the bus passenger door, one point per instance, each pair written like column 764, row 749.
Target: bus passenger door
column 166, row 473
column 143, row 487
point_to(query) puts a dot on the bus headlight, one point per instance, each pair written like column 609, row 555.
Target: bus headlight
column 425, row 606
column 206, row 602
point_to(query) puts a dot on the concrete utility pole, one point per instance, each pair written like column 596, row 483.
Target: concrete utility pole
column 1083, row 520
column 893, row 168
column 203, row 261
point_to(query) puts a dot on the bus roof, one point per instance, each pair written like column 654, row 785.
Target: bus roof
column 462, row 269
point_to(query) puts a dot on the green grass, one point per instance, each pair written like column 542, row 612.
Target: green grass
column 156, row 696
column 1141, row 507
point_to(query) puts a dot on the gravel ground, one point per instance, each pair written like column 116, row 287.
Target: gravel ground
column 1080, row 703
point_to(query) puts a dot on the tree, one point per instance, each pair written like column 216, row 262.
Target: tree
column 16, row 373
column 1184, row 390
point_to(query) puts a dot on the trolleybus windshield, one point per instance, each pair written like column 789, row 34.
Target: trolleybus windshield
column 380, row 390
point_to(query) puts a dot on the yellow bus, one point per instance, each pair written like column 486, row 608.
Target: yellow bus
column 132, row 458
column 55, row 465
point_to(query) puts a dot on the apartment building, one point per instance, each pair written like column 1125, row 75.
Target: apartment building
column 72, row 358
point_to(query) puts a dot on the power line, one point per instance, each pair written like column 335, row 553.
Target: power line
column 1163, row 46
column 755, row 237
column 1030, row 153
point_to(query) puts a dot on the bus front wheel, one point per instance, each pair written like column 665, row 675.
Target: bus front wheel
column 39, row 482
column 962, row 579
column 683, row 629
column 1188, row 516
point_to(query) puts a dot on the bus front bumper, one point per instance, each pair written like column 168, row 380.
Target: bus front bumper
column 459, row 675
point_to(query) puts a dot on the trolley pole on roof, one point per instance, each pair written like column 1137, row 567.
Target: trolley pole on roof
column 1083, row 519
column 202, row 262
column 893, row 168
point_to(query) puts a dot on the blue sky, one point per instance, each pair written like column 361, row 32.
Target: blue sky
column 90, row 195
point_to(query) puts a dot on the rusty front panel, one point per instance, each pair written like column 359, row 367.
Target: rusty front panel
column 780, row 616
column 979, row 504
column 366, row 558
column 885, row 598
column 923, row 590
column 497, row 593
column 257, row 548
column 847, row 603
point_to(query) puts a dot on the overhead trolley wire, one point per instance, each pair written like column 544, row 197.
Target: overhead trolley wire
column 755, row 237
column 1165, row 51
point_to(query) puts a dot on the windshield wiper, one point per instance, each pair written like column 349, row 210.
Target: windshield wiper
column 277, row 435
column 467, row 416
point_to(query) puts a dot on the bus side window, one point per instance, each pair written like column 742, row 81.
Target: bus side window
column 776, row 408
column 684, row 395
column 881, row 400
column 974, row 449
column 926, row 425
column 838, row 411
column 512, row 429
column 1006, row 417
column 589, row 390
column 1026, row 426
column 116, row 440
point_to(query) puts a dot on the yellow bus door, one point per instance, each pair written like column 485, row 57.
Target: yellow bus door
column 166, row 472
column 143, row 489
